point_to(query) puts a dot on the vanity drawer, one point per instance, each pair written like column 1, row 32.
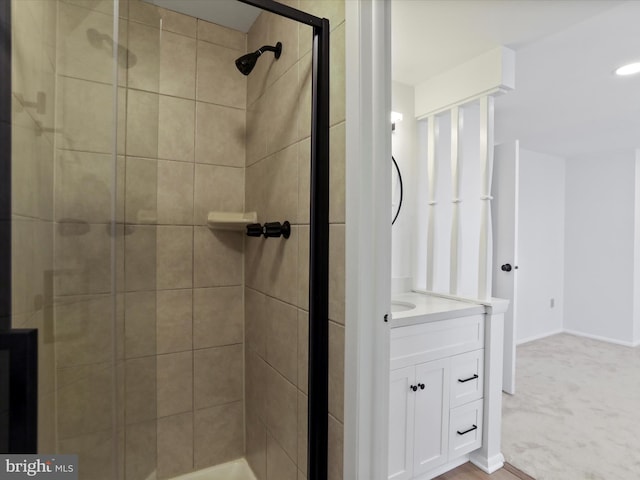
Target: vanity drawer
column 432, row 340
column 467, row 378
column 465, row 429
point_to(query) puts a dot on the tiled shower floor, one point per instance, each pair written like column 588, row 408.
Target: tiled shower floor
column 235, row 470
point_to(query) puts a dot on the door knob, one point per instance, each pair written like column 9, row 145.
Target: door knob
column 413, row 387
column 506, row 267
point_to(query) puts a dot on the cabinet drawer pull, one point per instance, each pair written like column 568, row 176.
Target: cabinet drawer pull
column 413, row 387
column 421, row 385
column 475, row 427
column 475, row 375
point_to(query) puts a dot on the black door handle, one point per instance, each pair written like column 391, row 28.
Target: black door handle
column 506, row 267
column 413, row 387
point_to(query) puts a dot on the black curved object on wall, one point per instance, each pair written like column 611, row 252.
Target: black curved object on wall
column 395, row 217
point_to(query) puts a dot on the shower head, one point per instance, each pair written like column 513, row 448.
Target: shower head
column 246, row 62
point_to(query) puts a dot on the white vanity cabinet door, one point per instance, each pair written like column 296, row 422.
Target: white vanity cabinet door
column 431, row 416
column 401, row 423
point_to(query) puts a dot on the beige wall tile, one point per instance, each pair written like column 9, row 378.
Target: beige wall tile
column 272, row 186
column 140, row 324
column 176, row 129
column 257, row 130
column 304, row 179
column 140, row 389
column 174, row 320
column 175, row 192
column 178, row 23
column 95, row 454
column 336, row 449
column 82, row 259
column 255, row 387
column 83, row 330
column 217, row 189
column 140, row 257
column 282, row 412
column 256, row 450
column 337, row 84
column 279, row 465
column 303, row 350
column 84, row 399
column 218, row 80
column 84, row 43
column 337, row 173
column 218, row 316
column 304, row 79
column 177, row 65
column 25, row 145
column 255, row 323
column 336, row 273
column 257, row 37
column 303, row 267
column 303, row 412
column 218, row 375
column 174, row 257
column 220, row 135
column 140, row 460
column 141, row 186
column 223, row 36
column 175, row 445
column 272, row 266
column 144, row 12
column 144, row 57
column 84, row 115
column 283, row 105
column 175, row 383
column 282, row 338
column 336, row 370
column 217, row 258
column 286, row 31
column 218, row 435
column 142, row 124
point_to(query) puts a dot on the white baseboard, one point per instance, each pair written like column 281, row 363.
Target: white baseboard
column 602, row 339
column 488, row 465
column 539, row 337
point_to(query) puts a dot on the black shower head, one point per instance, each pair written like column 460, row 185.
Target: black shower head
column 246, row 62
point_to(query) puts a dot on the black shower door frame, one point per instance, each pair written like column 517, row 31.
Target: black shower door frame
column 317, row 436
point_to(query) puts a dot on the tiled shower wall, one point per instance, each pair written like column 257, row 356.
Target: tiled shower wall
column 33, row 78
column 179, row 310
column 276, row 270
column 180, row 297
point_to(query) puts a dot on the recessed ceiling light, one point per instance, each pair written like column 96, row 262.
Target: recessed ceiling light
column 628, row 69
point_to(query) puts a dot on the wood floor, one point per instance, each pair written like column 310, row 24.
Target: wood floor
column 468, row 471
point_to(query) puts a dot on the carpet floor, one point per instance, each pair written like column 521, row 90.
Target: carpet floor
column 576, row 411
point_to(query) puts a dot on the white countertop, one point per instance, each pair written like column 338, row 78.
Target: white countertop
column 431, row 308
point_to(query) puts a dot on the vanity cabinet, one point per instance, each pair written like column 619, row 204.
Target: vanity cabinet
column 436, row 396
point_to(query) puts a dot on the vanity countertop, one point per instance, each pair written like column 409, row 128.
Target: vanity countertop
column 429, row 308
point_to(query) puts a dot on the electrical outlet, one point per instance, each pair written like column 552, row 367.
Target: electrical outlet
column 552, row 302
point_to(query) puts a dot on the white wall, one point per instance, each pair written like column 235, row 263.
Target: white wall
column 540, row 246
column 404, row 147
column 599, row 246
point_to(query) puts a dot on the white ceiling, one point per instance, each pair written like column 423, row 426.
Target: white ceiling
column 229, row 13
column 567, row 101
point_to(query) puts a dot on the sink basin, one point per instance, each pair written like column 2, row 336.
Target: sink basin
column 397, row 306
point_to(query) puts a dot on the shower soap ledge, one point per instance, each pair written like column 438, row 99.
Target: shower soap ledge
column 231, row 220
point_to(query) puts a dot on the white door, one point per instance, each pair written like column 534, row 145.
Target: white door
column 401, row 422
column 431, row 436
column 504, row 214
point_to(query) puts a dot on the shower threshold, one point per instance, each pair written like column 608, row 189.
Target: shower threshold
column 235, row 470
